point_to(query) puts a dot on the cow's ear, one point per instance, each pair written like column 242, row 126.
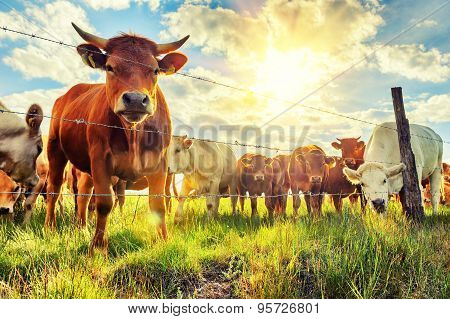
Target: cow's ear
column 34, row 118
column 268, row 161
column 172, row 62
column 187, row 143
column 336, row 145
column 331, row 162
column 353, row 176
column 247, row 162
column 360, row 145
column 394, row 170
column 92, row 56
column 445, row 167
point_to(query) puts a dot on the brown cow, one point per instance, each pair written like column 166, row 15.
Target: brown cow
column 281, row 201
column 353, row 153
column 337, row 184
column 133, row 127
column 258, row 174
column 9, row 193
column 308, row 172
column 20, row 144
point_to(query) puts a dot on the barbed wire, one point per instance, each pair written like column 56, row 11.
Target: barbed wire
column 32, row 35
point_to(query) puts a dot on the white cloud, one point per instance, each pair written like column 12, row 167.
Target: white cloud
column 20, row 102
column 42, row 59
column 108, row 4
column 435, row 109
column 153, row 5
column 428, row 23
column 414, row 61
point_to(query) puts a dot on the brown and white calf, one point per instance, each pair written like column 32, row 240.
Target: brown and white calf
column 9, row 193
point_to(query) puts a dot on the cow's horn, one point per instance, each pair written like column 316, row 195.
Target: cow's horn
column 169, row 47
column 339, row 139
column 358, row 138
column 93, row 39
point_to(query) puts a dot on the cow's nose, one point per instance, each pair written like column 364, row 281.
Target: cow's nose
column 4, row 211
column 135, row 100
column 259, row 177
column 378, row 204
column 316, row 179
column 31, row 182
column 350, row 161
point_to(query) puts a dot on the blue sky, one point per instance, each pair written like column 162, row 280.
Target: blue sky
column 246, row 44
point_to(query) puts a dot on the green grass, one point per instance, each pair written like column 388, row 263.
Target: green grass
column 338, row 256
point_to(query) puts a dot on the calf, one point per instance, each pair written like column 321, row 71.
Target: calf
column 308, row 172
column 9, row 193
column 259, row 175
column 208, row 168
column 337, row 184
column 20, row 144
column 353, row 154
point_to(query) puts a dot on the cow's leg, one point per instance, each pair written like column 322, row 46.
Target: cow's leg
column 169, row 180
column 308, row 203
column 295, row 200
column 233, row 197
column 270, row 202
column 157, row 203
column 57, row 162
column 284, row 198
column 435, row 189
column 242, row 202
column 213, row 199
column 30, row 201
column 337, row 202
column 101, row 175
column 185, row 191
column 85, row 186
column 254, row 204
column 120, row 193
column 320, row 203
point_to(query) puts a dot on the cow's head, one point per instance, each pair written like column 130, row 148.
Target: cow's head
column 178, row 156
column 132, row 66
column 316, row 165
column 375, row 180
column 20, row 145
column 9, row 192
column 352, row 149
column 257, row 166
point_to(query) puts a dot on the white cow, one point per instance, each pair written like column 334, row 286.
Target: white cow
column 380, row 175
column 208, row 168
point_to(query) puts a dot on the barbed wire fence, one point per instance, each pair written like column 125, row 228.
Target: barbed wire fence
column 82, row 121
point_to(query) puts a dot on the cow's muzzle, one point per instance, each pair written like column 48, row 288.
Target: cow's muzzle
column 259, row 177
column 316, row 179
column 134, row 107
column 4, row 210
column 379, row 205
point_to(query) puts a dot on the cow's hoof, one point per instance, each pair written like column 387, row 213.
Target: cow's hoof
column 100, row 243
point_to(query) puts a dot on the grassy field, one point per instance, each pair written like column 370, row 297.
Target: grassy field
column 339, row 256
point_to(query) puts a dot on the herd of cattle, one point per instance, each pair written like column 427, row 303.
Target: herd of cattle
column 125, row 142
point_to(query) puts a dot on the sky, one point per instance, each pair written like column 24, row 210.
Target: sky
column 279, row 51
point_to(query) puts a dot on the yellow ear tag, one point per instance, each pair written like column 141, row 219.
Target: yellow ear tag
column 170, row 70
column 85, row 61
column 91, row 60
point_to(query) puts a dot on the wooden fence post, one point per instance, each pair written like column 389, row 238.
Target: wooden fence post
column 412, row 197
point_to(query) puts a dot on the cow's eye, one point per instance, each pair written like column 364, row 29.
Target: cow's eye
column 109, row 68
column 384, row 181
column 39, row 148
column 177, row 150
column 156, row 71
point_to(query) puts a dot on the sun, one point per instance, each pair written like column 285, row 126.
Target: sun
column 288, row 75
